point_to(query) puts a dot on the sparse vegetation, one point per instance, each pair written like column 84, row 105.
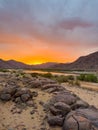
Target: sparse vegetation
column 4, row 70
column 34, row 74
column 88, row 78
column 58, row 78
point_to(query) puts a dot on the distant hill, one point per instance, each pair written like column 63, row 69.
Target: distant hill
column 45, row 65
column 12, row 64
column 89, row 62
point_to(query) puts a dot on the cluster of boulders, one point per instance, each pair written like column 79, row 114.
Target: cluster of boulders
column 39, row 82
column 18, row 95
column 72, row 113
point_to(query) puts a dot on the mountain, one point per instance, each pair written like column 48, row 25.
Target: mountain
column 12, row 64
column 88, row 62
column 45, row 65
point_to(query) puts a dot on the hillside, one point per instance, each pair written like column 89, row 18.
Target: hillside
column 89, row 62
column 12, row 64
column 45, row 65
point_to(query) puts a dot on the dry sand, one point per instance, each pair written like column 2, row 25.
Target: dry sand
column 85, row 92
column 9, row 121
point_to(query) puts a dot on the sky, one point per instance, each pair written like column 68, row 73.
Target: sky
column 37, row 31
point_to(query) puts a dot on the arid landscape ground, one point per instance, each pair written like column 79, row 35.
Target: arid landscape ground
column 30, row 107
column 48, row 65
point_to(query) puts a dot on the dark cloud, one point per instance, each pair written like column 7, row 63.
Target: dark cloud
column 74, row 23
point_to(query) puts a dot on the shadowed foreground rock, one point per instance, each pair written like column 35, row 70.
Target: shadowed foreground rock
column 82, row 119
column 18, row 95
column 76, row 114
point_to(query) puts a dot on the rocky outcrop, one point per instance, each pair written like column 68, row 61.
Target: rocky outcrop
column 18, row 95
column 72, row 113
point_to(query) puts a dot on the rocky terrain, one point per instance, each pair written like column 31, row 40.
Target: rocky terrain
column 37, row 103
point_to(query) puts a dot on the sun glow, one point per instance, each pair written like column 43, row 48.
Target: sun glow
column 35, row 62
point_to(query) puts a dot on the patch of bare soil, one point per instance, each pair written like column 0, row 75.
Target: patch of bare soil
column 86, row 92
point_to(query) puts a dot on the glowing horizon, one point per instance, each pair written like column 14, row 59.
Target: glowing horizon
column 42, row 31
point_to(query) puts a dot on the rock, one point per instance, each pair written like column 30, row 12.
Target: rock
column 41, row 103
column 77, row 122
column 53, row 87
column 24, row 128
column 80, row 104
column 65, row 97
column 32, row 112
column 82, row 119
column 19, row 111
column 9, row 90
column 91, row 114
column 35, row 94
column 22, row 91
column 5, row 97
column 60, row 108
column 30, row 103
column 45, row 81
column 18, row 100
column 55, row 111
column 10, row 129
column 35, row 84
column 25, row 97
column 55, row 121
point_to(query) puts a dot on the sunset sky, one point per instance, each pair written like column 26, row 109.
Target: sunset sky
column 37, row 31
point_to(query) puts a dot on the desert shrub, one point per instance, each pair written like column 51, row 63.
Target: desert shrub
column 77, row 83
column 71, row 82
column 47, row 75
column 61, row 79
column 34, row 74
column 17, row 75
column 4, row 70
column 88, row 78
column 70, row 77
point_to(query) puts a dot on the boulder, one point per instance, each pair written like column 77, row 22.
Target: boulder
column 17, row 100
column 60, row 108
column 22, row 91
column 30, row 103
column 53, row 86
column 5, row 97
column 9, row 90
column 82, row 119
column 77, row 122
column 35, row 94
column 65, row 97
column 55, row 120
column 91, row 114
column 79, row 104
column 25, row 97
column 35, row 84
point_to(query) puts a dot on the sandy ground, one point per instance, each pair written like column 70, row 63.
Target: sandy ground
column 10, row 121
column 86, row 92
column 90, row 86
